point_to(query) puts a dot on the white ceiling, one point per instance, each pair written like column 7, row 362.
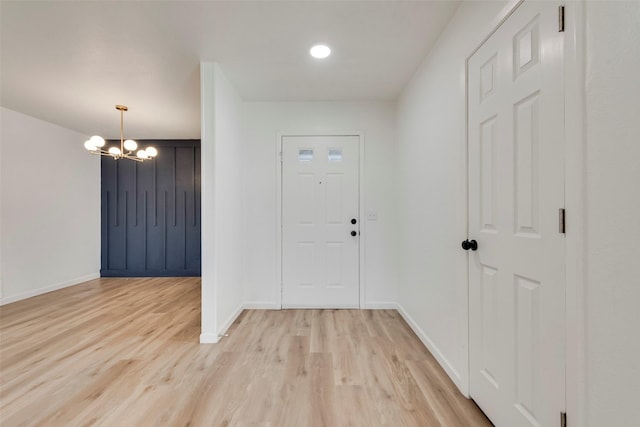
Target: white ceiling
column 70, row 62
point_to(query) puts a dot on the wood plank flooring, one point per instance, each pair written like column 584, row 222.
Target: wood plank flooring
column 125, row 352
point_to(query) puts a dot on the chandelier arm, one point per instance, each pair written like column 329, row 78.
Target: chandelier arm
column 97, row 151
column 126, row 156
column 100, row 153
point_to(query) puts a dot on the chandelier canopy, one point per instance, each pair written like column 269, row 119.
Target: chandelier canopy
column 96, row 145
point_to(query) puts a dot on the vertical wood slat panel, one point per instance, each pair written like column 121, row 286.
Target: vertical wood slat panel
column 146, row 209
column 175, row 185
column 196, row 176
column 104, row 216
column 164, row 229
column 125, row 230
column 105, row 229
column 156, row 245
column 155, row 193
column 117, row 188
column 135, row 194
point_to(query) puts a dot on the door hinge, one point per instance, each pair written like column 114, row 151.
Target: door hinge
column 561, row 19
column 562, row 224
column 563, row 419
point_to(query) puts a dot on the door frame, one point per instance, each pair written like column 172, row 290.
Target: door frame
column 575, row 201
column 361, row 208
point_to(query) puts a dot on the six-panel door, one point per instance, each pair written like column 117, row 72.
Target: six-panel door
column 516, row 187
column 320, row 202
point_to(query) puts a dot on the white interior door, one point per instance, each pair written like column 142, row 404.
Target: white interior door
column 320, row 221
column 516, row 188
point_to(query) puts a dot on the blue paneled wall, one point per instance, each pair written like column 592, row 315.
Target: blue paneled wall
column 151, row 213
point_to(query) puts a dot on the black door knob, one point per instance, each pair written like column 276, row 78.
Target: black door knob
column 354, row 233
column 353, row 221
column 470, row 244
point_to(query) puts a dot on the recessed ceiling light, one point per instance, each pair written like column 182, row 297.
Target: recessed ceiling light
column 320, row 51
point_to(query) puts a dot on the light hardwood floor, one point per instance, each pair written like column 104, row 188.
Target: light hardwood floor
column 125, row 352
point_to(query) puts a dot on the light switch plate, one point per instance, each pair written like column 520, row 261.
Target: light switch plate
column 372, row 216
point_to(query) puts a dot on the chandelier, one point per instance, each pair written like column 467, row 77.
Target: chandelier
column 96, row 145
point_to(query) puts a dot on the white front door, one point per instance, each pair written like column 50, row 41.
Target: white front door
column 516, row 188
column 320, row 221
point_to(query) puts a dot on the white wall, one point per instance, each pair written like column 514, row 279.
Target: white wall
column 1, row 204
column 229, row 209
column 50, row 219
column 431, row 205
column 222, row 202
column 613, row 213
column 262, row 122
column 431, row 187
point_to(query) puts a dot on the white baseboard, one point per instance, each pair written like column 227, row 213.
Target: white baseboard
column 380, row 305
column 374, row 305
column 315, row 307
column 435, row 351
column 232, row 318
column 208, row 338
column 259, row 305
column 56, row 286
